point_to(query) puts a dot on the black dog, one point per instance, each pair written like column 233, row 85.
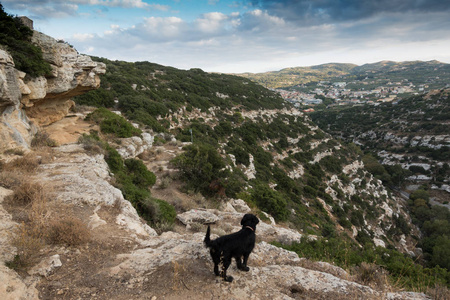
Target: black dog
column 237, row 245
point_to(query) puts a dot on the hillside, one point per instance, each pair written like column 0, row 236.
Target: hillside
column 106, row 194
column 410, row 138
column 431, row 73
column 300, row 75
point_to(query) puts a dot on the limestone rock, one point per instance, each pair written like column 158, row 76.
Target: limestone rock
column 85, row 180
column 6, row 226
column 12, row 287
column 198, row 216
column 132, row 147
column 46, row 266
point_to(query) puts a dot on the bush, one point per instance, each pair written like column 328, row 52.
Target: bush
column 92, row 143
column 42, row 139
column 158, row 212
column 28, row 164
column 69, row 231
column 200, row 165
column 112, row 123
column 270, row 201
column 27, row 193
column 28, row 240
column 139, row 173
column 17, row 39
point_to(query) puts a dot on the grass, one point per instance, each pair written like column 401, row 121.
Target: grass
column 68, row 231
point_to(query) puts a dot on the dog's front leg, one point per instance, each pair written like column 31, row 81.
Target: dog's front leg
column 240, row 266
column 244, row 266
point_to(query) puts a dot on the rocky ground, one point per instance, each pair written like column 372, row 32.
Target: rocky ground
column 124, row 258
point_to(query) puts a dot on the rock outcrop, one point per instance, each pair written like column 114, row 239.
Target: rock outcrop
column 27, row 103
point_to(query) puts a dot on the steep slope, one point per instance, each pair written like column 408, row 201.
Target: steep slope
column 259, row 143
column 412, row 133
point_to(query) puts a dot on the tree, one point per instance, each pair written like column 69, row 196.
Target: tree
column 200, row 165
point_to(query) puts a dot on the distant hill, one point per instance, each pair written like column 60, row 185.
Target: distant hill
column 418, row 72
column 299, row 75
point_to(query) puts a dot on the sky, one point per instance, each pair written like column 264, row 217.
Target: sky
column 233, row 36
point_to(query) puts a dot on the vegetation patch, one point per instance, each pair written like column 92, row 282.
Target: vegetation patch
column 16, row 37
column 134, row 180
column 402, row 270
column 68, row 231
column 113, row 123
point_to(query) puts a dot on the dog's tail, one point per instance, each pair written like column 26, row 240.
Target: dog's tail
column 207, row 239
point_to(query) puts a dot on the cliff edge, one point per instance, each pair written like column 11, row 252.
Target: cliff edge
column 27, row 103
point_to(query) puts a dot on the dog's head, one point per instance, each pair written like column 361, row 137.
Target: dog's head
column 250, row 220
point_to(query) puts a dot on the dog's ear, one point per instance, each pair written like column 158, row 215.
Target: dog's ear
column 245, row 219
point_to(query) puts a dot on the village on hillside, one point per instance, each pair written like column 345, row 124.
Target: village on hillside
column 349, row 93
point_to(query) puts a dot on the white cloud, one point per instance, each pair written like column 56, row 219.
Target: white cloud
column 161, row 28
column 82, row 37
column 211, row 22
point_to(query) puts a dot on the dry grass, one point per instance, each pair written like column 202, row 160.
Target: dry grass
column 26, row 194
column 10, row 179
column 196, row 227
column 147, row 154
column 371, row 275
column 439, row 292
column 179, row 272
column 14, row 151
column 42, row 139
column 69, row 231
column 25, row 164
column 28, row 240
column 352, row 293
column 166, row 181
column 28, row 204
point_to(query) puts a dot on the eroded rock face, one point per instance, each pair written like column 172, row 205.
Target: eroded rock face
column 26, row 103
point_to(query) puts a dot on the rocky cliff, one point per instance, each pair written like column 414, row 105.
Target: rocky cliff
column 28, row 103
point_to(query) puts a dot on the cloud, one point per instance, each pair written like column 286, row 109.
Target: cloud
column 44, row 9
column 325, row 11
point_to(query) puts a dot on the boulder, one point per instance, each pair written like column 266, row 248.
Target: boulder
column 198, row 216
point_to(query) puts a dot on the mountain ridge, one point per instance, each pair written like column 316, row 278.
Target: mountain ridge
column 293, row 76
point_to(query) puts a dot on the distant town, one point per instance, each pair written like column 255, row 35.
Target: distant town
column 349, row 93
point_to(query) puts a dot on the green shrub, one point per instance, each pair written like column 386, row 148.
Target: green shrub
column 98, row 98
column 112, row 123
column 200, row 165
column 114, row 160
column 139, row 173
column 17, row 39
column 270, row 201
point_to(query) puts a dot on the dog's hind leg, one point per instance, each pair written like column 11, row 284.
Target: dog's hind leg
column 226, row 261
column 216, row 259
